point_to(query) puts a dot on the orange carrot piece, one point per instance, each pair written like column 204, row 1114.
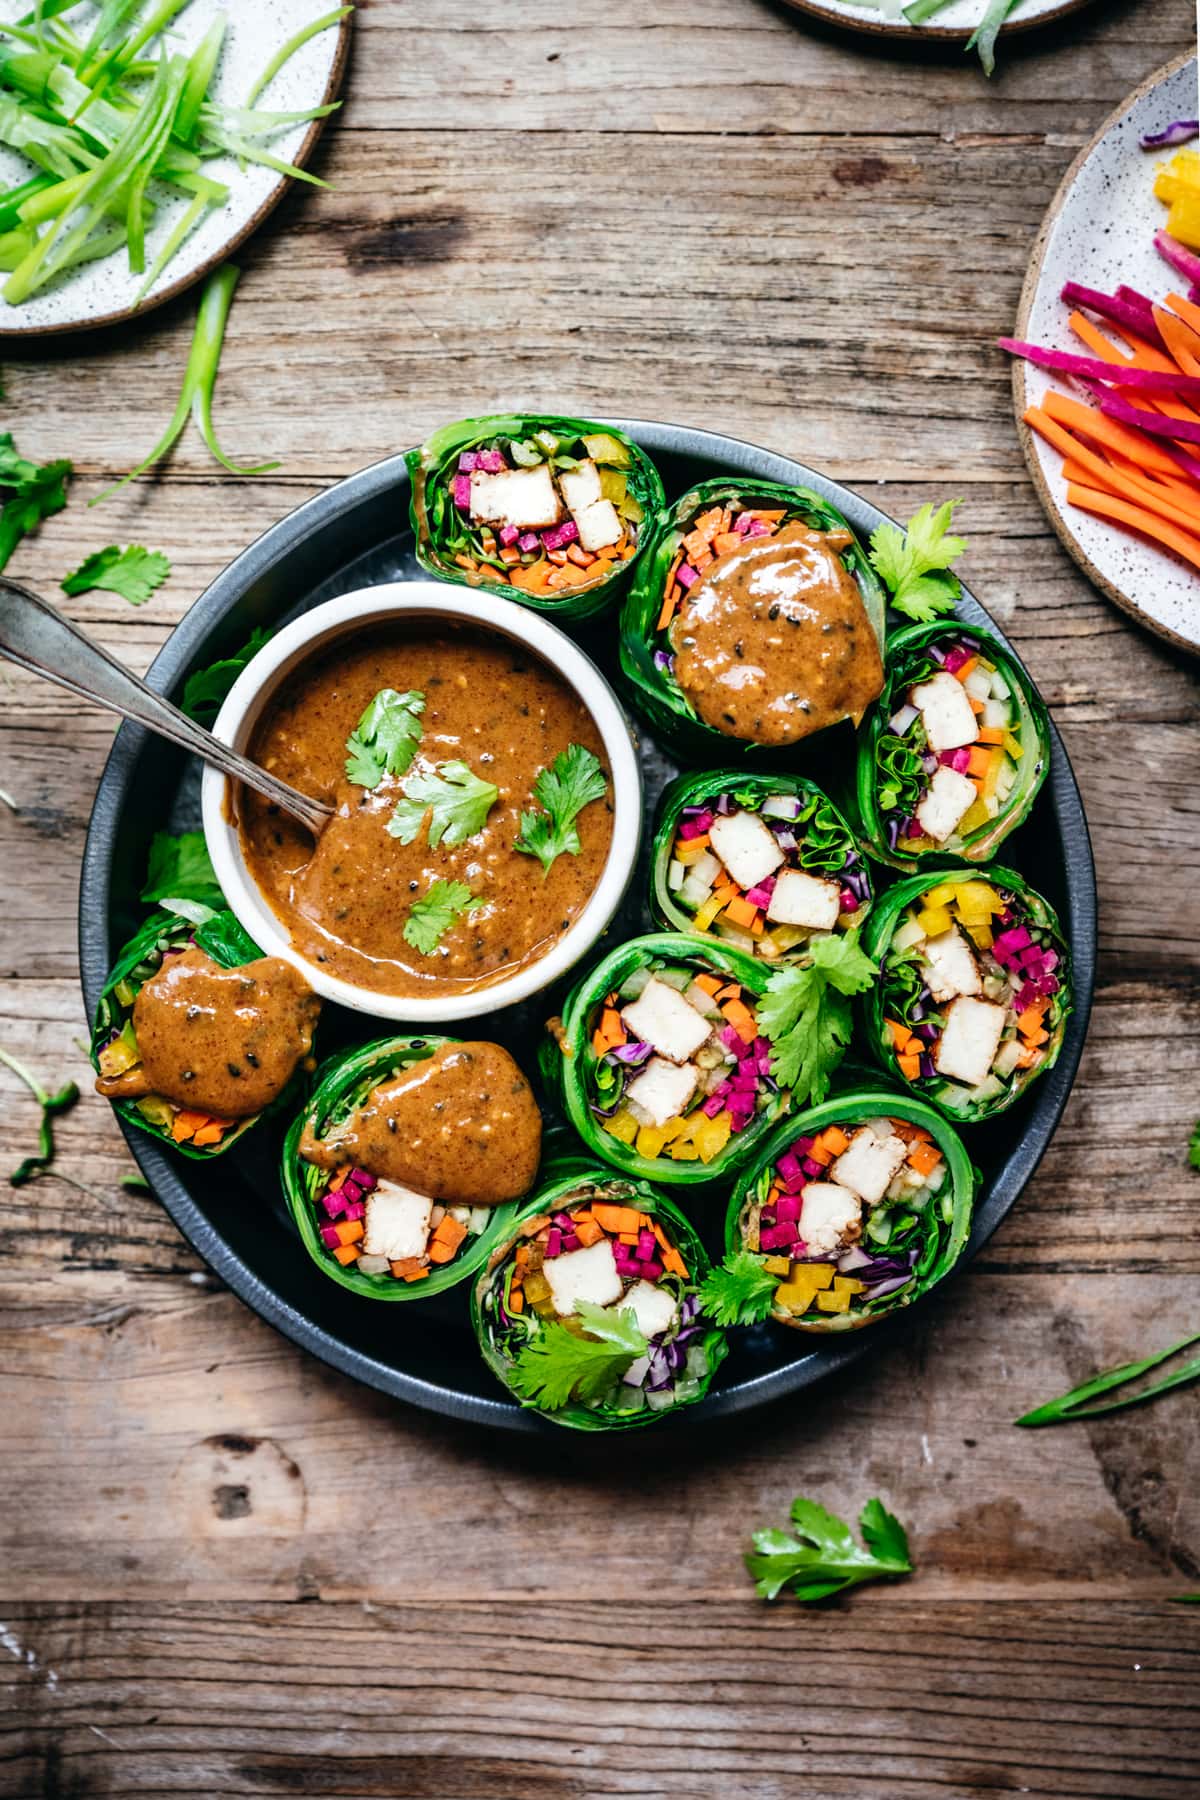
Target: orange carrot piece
column 674, row 1264
column 834, row 1139
column 1120, row 512
column 909, row 1065
column 924, row 1158
column 979, row 761
column 349, row 1231
column 1181, row 340
column 449, row 1231
column 820, row 1154
column 1109, row 432
column 708, row 984
column 615, row 1219
column 739, row 1016
column 900, row 1035
column 740, row 912
column 212, row 1133
column 1128, row 487
column 516, row 1299
column 990, row 734
column 186, row 1124
column 347, row 1254
column 964, row 669
column 1187, row 310
column 725, row 541
column 588, row 1232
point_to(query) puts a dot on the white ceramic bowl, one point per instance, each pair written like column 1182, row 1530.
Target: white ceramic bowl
column 436, row 601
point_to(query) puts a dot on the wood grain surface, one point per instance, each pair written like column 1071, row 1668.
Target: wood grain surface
column 227, row 1570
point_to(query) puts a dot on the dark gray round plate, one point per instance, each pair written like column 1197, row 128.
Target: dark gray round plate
column 231, row 1210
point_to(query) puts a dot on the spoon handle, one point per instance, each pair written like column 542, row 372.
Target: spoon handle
column 37, row 637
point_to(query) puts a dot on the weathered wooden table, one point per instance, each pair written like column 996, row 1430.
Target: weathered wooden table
column 228, row 1570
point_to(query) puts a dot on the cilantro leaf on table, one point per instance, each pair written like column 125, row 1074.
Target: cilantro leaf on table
column 29, row 492
column 204, row 691
column 180, row 869
column 1194, row 1146
column 915, row 563
column 431, row 917
column 51, row 1105
column 457, row 802
column 556, row 1366
column 739, row 1290
column 806, row 1014
column 133, row 573
column 385, row 739
column 574, row 779
column 820, row 1556
column 1075, row 1405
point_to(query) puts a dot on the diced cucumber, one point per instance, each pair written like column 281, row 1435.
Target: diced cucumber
column 674, row 976
column 694, row 893
column 879, row 1225
column 996, row 714
column 978, row 684
column 1000, row 687
column 676, row 875
column 547, row 440
column 745, row 940
column 525, row 454
column 633, row 984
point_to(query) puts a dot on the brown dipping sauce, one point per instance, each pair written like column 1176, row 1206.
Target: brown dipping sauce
column 488, row 703
column 462, row 1126
column 773, row 641
column 219, row 1041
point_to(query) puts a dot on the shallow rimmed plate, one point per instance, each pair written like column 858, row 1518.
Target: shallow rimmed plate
column 955, row 24
column 102, row 293
column 1099, row 230
column 232, row 1212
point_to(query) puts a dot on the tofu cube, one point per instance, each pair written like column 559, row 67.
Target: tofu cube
column 949, row 966
column 746, row 846
column 660, row 1016
column 397, row 1222
column 580, row 487
column 599, row 525
column 969, row 1041
column 947, row 713
column 830, row 1217
column 950, row 795
column 526, row 498
column 811, row 901
column 662, row 1089
column 868, row 1164
column 652, row 1307
column 589, row 1274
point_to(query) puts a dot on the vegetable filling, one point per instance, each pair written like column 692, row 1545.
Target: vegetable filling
column 381, row 1228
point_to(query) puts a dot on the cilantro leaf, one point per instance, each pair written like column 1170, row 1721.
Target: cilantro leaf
column 204, row 691
column 915, row 563
column 51, row 1105
column 820, row 1556
column 180, row 869
column 573, row 781
column 33, row 493
column 1194, row 1147
column 430, row 918
column 806, row 1014
column 739, row 1290
column 133, row 573
column 457, row 802
column 385, row 739
column 555, row 1366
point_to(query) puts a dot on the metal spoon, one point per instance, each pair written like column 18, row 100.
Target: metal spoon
column 37, row 637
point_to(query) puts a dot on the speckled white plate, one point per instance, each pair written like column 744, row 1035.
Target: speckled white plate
column 100, row 293
column 956, row 22
column 1099, row 231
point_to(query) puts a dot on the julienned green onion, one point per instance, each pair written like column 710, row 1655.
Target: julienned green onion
column 114, row 121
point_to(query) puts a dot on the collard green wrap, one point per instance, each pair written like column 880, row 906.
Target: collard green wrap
column 1022, row 962
column 113, row 1043
column 591, row 1086
column 342, row 1084
column 678, row 1365
column 811, row 834
column 450, row 547
column 905, row 1247
column 895, row 767
column 646, row 655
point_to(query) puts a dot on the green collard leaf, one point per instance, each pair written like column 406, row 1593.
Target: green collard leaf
column 456, row 801
column 385, row 739
column 574, row 779
column 1077, row 1404
column 134, row 573
column 226, row 941
column 739, row 1290
column 807, row 1017
column 180, row 869
column 431, row 917
column 915, row 563
column 204, row 692
column 29, row 493
column 820, row 1556
column 555, row 1366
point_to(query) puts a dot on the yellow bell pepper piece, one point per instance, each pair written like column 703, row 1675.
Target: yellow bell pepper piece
column 623, row 1126
column 983, row 937
column 713, row 1135
column 833, row 1302
column 708, row 912
column 934, row 920
column 777, row 1265
column 683, row 1152
column 976, row 814
column 1183, row 221
column 805, row 1282
column 1012, row 744
column 673, row 1128
column 941, row 895
column 689, row 851
column 536, row 1287
column 846, row 1284
column 978, row 900
column 649, row 1141
column 996, row 768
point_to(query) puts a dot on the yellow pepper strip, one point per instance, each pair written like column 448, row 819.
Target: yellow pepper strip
column 708, row 912
column 623, row 1126
column 649, row 1142
column 934, row 920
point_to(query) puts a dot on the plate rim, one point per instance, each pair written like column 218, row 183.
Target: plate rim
column 231, row 246
column 1029, row 288
column 165, row 1175
column 942, row 34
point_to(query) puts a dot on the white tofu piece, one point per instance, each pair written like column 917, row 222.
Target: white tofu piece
column 949, row 966
column 662, row 1089
column 526, row 498
column 580, row 487
column 746, row 846
column 947, row 713
column 970, row 1039
column 652, row 1307
column 397, row 1222
column 599, row 525
column 830, row 1217
column 589, row 1274
column 662, row 1017
column 799, row 898
column 950, row 796
column 868, row 1163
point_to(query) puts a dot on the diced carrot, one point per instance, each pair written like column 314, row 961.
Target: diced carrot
column 834, row 1139
column 469, row 563
column 449, row 1231
column 991, row 734
column 350, row 1230
column 588, row 1232
column 579, row 555
column 674, row 1264
column 347, row 1254
column 759, row 925
column 186, row 1124
column 964, row 669
column 1027, row 1058
column 731, row 991
column 725, row 541
column 740, row 912
column 627, row 1237
column 909, row 1065
column 820, row 1154
column 212, row 1133
column 924, row 1158
column 708, row 984
column 739, row 1016
column 533, row 579
column 439, row 1252
column 516, row 1299
column 1107, row 506
column 510, row 554
column 768, row 518
column 615, row 1219
column 979, row 762
column 1031, row 1018
column 900, row 1035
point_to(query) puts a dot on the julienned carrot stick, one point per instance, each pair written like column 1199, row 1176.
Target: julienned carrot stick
column 1127, row 487
column 1106, row 506
column 1181, row 340
column 1187, row 310
column 1080, row 417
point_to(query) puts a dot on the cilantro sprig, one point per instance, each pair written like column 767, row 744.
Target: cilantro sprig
column 555, row 1366
column 1078, row 1404
column 821, row 1556
column 1194, row 1146
column 385, row 739
column 52, row 1105
column 204, row 691
column 29, row 493
column 806, row 1014
column 432, row 916
column 574, row 779
column 133, row 573
column 739, row 1290
column 915, row 563
column 456, row 801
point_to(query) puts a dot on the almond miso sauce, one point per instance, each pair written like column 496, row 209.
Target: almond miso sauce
column 488, row 703
column 773, row 641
